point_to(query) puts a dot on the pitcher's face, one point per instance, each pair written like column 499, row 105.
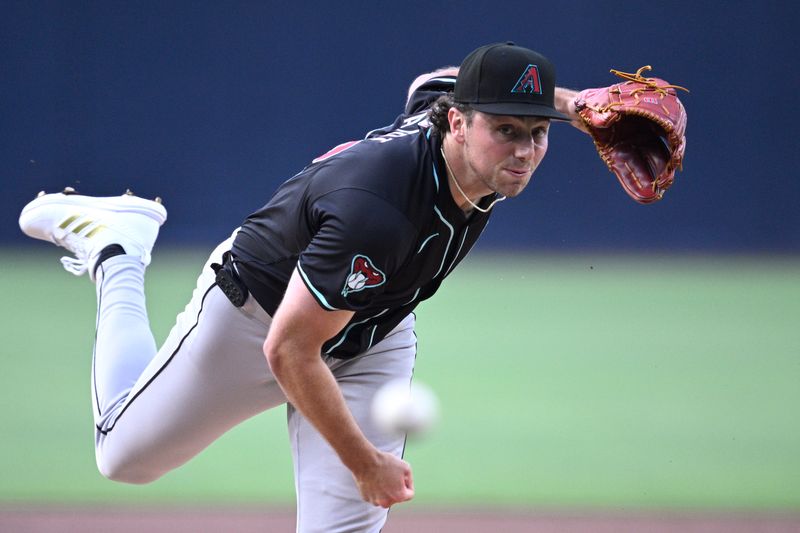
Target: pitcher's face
column 501, row 152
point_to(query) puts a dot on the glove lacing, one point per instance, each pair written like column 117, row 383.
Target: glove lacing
column 646, row 84
column 650, row 83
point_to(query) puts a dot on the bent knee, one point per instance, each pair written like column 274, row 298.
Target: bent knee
column 127, row 471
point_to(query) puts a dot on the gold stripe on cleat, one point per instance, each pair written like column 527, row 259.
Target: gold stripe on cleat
column 68, row 221
column 95, row 230
column 77, row 229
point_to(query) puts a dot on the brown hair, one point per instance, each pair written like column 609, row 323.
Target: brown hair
column 440, row 109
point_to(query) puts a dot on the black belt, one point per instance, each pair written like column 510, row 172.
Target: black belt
column 229, row 282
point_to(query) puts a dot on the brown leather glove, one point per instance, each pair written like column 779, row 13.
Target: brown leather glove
column 639, row 130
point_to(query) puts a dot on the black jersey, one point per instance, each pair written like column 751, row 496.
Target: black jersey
column 371, row 227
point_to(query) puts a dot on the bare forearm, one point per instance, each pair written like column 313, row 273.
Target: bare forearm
column 310, row 386
column 565, row 103
column 312, row 389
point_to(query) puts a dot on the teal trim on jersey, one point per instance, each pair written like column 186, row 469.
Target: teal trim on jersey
column 460, row 246
column 351, row 326
column 372, row 336
column 413, row 297
column 435, row 177
column 318, row 295
column 426, row 241
column 449, row 241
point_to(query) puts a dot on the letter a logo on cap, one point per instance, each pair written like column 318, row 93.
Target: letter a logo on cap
column 529, row 81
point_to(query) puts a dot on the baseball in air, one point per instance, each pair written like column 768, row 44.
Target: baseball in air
column 402, row 408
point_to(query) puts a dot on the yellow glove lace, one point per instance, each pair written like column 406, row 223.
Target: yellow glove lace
column 649, row 82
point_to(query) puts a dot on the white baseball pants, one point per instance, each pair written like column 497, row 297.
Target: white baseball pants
column 156, row 409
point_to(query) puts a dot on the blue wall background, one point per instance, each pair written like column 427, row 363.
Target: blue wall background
column 212, row 104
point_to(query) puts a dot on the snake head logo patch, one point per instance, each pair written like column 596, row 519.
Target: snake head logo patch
column 363, row 275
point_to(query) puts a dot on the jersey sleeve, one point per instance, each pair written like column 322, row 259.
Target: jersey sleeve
column 360, row 243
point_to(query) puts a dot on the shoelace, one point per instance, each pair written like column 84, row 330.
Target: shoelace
column 79, row 267
column 74, row 242
column 74, row 265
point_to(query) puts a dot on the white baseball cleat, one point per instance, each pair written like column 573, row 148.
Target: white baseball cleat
column 85, row 225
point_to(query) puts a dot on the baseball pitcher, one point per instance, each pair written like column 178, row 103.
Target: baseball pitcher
column 310, row 302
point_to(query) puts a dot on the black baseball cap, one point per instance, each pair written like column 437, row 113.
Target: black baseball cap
column 506, row 79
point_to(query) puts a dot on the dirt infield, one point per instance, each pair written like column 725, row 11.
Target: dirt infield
column 23, row 519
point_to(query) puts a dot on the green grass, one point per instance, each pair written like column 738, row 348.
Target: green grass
column 591, row 380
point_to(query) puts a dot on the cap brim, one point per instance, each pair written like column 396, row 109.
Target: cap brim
column 520, row 109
